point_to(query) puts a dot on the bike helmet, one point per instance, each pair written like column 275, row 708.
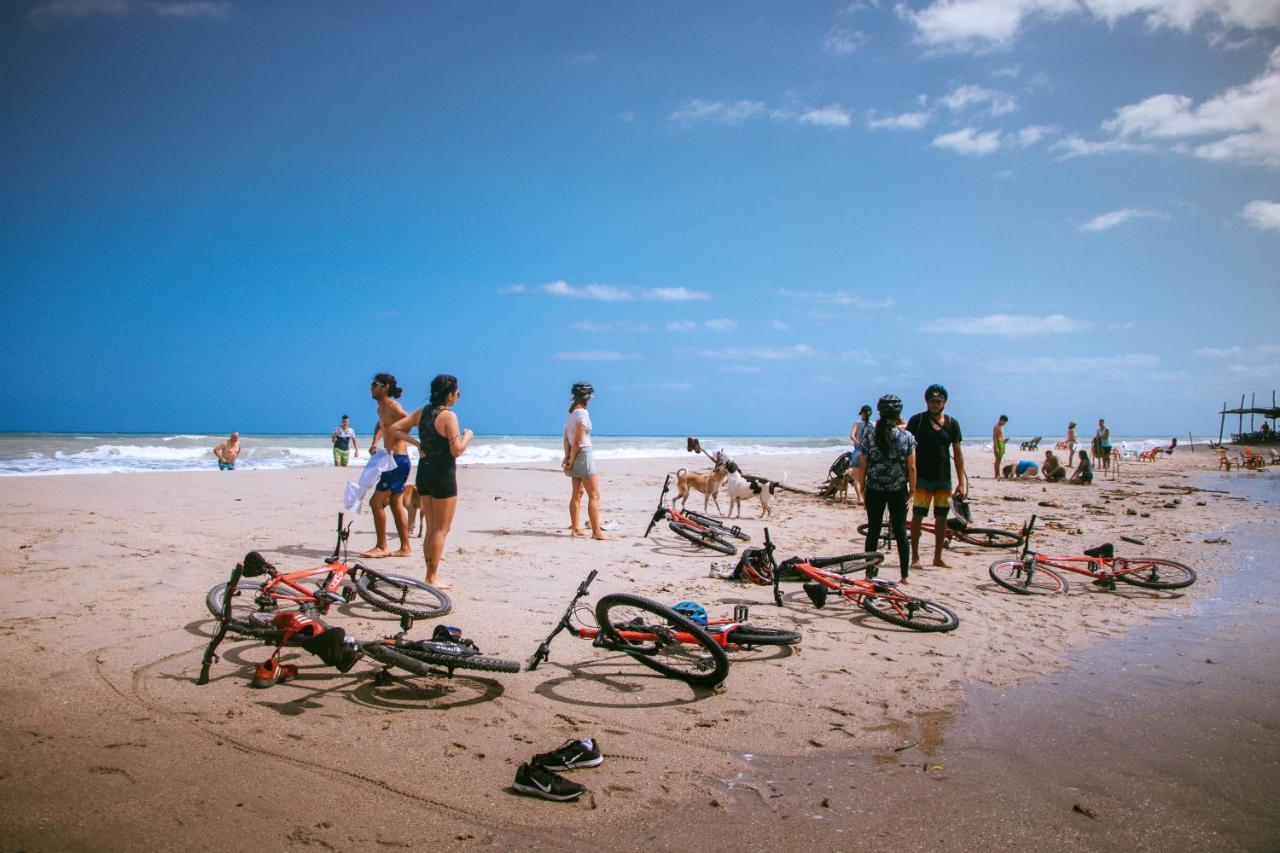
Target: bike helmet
column 865, row 410
column 889, row 406
column 583, row 390
column 692, row 611
column 935, row 390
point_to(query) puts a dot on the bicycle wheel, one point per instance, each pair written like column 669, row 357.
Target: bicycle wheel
column 1014, row 576
column 989, row 537
column 914, row 613
column 847, row 564
column 248, row 617
column 1152, row 573
column 706, row 538
column 719, row 526
column 437, row 654
column 701, row 663
column 754, row 635
column 400, row 595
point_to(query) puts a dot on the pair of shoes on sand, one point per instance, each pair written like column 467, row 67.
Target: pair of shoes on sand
column 538, row 776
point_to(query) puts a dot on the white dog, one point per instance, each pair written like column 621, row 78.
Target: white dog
column 740, row 489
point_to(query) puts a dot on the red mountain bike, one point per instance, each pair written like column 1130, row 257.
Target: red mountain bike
column 984, row 537
column 824, row 575
column 701, row 530
column 1038, row 574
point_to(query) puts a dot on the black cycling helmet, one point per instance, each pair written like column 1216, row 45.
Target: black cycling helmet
column 582, row 390
column 935, row 390
column 865, row 410
column 889, row 406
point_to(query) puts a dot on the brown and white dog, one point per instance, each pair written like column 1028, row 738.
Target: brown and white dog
column 740, row 489
column 706, row 482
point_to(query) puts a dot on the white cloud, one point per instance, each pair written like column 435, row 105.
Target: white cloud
column 757, row 353
column 832, row 115
column 843, row 42
column 1239, row 352
column 964, row 97
column 837, row 297
column 719, row 112
column 613, row 293
column 969, row 141
column 513, row 288
column 1119, row 366
column 1007, row 325
column 1031, row 134
column 740, row 368
column 682, row 326
column 1106, row 221
column 50, row 11
column 1243, row 121
column 979, row 26
column 594, row 355
column 1074, row 146
column 1265, row 370
column 861, row 356
column 900, row 121
column 723, row 324
column 616, row 326
column 1263, row 215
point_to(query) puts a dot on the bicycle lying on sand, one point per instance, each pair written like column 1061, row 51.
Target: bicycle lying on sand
column 333, row 583
column 824, row 575
column 657, row 636
column 700, row 529
column 1039, row 574
column 983, row 537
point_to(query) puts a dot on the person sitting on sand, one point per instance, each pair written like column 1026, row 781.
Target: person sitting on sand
column 1052, row 468
column 441, row 443
column 228, row 452
column 1024, row 468
column 390, row 486
column 1084, row 471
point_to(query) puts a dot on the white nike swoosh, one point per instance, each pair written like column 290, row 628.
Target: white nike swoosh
column 546, row 789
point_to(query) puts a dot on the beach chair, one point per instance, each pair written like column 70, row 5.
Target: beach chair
column 1252, row 460
column 1033, row 444
column 1224, row 461
column 1062, row 445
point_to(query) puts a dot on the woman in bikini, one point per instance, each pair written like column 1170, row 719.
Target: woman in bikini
column 578, row 463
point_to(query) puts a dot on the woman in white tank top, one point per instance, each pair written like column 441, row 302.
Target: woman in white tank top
column 578, row 463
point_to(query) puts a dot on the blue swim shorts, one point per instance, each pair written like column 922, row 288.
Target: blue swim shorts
column 393, row 481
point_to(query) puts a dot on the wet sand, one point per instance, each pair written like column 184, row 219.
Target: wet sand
column 109, row 743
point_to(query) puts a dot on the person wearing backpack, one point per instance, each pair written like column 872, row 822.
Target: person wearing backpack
column 887, row 471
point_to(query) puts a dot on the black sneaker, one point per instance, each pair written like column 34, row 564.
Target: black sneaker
column 574, row 755
column 540, row 782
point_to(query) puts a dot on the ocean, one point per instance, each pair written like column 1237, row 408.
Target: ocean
column 51, row 454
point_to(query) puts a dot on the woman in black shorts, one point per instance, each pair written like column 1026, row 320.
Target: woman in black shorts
column 440, row 443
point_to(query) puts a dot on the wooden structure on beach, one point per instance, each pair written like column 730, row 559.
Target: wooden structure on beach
column 1264, row 435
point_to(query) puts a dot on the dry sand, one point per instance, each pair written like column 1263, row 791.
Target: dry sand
column 109, row 743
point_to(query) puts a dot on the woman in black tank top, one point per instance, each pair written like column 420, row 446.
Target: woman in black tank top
column 440, row 443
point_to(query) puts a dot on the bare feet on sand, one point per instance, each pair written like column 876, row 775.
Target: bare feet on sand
column 374, row 553
column 938, row 562
column 575, row 532
column 600, row 537
column 915, row 564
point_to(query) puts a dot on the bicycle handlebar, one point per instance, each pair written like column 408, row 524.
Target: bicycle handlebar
column 544, row 648
column 661, row 510
column 224, row 620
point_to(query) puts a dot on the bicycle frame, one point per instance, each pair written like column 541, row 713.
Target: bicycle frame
column 854, row 589
column 671, row 512
column 285, row 586
column 1103, row 570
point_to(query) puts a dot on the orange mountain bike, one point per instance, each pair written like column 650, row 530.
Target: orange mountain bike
column 701, row 530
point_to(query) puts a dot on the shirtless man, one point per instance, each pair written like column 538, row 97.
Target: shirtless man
column 997, row 442
column 391, row 484
column 228, row 452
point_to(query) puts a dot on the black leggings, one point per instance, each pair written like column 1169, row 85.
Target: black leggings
column 876, row 501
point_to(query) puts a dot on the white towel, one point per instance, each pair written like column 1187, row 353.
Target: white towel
column 353, row 495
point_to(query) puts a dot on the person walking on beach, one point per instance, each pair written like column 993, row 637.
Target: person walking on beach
column 1071, row 441
column 578, row 463
column 228, row 452
column 390, row 485
column 860, row 427
column 1102, row 445
column 997, row 442
column 887, row 471
column 937, row 436
column 440, row 443
column 344, row 443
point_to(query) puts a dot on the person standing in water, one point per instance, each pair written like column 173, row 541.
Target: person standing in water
column 390, row 485
column 441, row 443
column 228, row 452
column 578, row 463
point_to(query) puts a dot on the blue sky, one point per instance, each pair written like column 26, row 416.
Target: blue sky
column 730, row 217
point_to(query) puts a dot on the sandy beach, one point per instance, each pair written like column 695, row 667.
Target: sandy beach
column 110, row 744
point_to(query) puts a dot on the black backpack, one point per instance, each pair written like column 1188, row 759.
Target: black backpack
column 843, row 463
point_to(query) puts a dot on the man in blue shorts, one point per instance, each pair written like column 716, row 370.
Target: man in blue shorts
column 391, row 484
column 937, row 436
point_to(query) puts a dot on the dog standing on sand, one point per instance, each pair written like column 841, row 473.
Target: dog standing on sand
column 708, row 483
column 740, row 489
